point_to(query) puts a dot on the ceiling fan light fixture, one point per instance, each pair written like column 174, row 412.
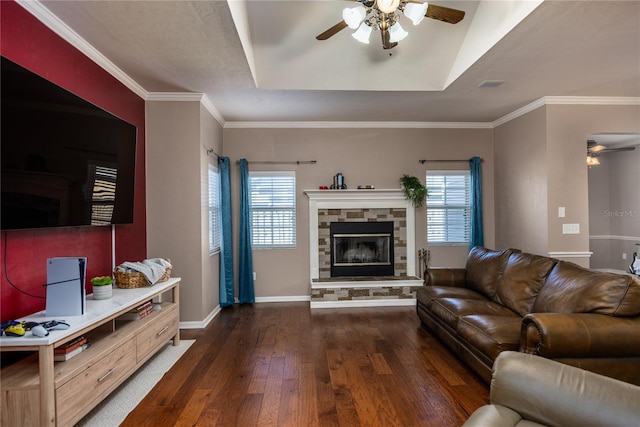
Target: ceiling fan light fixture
column 397, row 33
column 354, row 16
column 592, row 161
column 363, row 33
column 596, row 148
column 416, row 12
column 387, row 6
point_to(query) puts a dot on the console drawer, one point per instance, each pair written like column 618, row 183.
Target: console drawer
column 98, row 379
column 157, row 332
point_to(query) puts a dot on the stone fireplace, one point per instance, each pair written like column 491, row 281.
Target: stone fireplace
column 375, row 248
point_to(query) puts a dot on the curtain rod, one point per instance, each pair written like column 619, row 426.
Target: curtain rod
column 210, row 151
column 276, row 162
column 423, row 161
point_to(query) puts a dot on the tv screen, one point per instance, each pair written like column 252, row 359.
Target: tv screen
column 64, row 161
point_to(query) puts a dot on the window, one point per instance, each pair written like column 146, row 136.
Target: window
column 214, row 209
column 273, row 209
column 448, row 207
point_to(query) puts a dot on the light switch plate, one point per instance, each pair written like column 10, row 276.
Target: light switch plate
column 570, row 228
column 561, row 212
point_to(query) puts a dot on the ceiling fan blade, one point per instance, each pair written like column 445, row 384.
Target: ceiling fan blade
column 612, row 150
column 385, row 40
column 332, row 31
column 444, row 14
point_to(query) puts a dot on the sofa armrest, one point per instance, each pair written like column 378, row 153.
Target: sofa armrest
column 563, row 335
column 552, row 393
column 445, row 277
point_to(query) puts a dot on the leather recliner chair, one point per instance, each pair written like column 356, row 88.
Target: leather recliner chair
column 530, row 391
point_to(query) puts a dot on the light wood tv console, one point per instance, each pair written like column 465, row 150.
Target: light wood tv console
column 38, row 391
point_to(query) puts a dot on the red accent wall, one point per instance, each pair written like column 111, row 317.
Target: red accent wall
column 26, row 41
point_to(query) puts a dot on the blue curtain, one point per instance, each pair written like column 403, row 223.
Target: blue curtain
column 226, row 240
column 245, row 270
column 477, row 236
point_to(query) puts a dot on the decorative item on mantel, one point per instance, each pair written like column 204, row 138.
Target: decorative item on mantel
column 145, row 273
column 102, row 287
column 338, row 182
column 414, row 190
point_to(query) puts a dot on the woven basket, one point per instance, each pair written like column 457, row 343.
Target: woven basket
column 133, row 279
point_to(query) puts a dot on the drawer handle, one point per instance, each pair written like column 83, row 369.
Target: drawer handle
column 162, row 331
column 104, row 377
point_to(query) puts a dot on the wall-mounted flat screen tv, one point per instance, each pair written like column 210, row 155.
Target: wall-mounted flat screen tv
column 64, row 162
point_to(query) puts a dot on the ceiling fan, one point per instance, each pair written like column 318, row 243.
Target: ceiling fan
column 384, row 15
column 593, row 147
column 594, row 150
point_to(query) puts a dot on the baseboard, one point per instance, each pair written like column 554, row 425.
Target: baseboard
column 306, row 298
column 294, row 298
column 364, row 303
column 203, row 323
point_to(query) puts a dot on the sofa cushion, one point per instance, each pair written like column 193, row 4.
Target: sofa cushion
column 484, row 268
column 426, row 294
column 523, row 277
column 449, row 310
column 570, row 288
column 490, row 334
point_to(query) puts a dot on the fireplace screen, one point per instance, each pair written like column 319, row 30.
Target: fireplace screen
column 362, row 249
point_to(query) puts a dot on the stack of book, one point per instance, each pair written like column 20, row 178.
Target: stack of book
column 70, row 349
column 139, row 312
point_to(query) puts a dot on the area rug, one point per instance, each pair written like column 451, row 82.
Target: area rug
column 112, row 411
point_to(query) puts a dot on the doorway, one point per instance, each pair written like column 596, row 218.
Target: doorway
column 614, row 199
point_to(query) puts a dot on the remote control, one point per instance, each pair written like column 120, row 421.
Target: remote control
column 54, row 325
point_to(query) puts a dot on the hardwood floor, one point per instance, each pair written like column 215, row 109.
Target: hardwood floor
column 282, row 364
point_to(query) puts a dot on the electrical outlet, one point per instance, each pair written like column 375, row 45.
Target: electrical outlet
column 624, row 255
column 254, row 275
column 570, row 228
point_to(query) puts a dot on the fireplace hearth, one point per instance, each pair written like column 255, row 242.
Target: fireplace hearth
column 361, row 249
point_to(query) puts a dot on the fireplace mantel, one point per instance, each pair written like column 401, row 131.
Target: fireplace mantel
column 358, row 199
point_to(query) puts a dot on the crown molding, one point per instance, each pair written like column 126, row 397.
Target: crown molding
column 44, row 15
column 592, row 100
column 357, row 125
column 189, row 97
column 51, row 21
column 174, row 96
column 567, row 100
column 519, row 112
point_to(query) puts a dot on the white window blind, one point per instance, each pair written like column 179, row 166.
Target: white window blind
column 448, row 207
column 103, row 193
column 214, row 209
column 273, row 209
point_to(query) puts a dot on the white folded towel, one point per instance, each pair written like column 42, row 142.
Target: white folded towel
column 151, row 269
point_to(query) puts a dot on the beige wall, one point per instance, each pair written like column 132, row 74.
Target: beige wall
column 568, row 127
column 537, row 161
column 377, row 157
column 521, row 183
column 179, row 133
column 540, row 166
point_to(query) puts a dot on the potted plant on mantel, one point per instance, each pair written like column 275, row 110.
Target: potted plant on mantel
column 414, row 190
column 102, row 288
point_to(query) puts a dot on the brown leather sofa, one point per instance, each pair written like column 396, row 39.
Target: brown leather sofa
column 533, row 391
column 510, row 300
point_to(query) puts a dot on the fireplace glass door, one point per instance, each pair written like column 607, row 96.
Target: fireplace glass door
column 362, row 249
